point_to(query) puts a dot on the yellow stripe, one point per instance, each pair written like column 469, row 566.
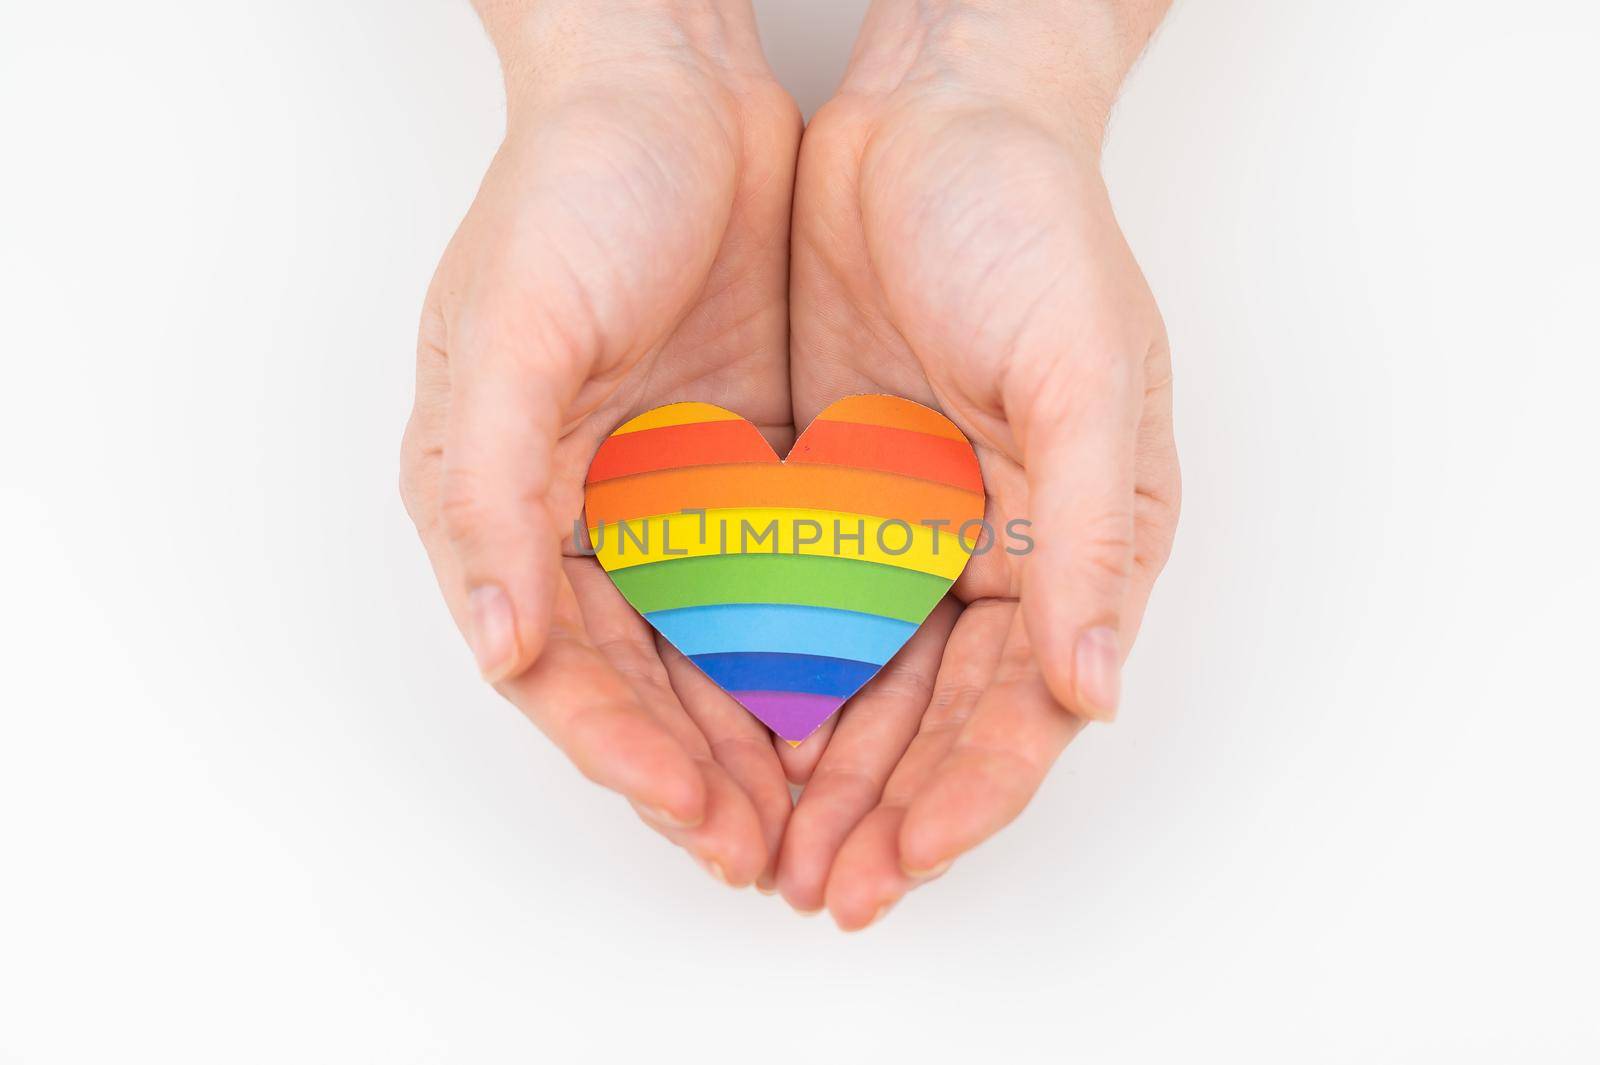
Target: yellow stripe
column 676, row 414
column 746, row 530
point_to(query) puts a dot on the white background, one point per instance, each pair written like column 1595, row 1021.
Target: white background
column 254, row 806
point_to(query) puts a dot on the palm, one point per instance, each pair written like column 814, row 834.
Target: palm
column 607, row 266
column 961, row 256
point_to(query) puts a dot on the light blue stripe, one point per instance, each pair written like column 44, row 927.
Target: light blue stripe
column 774, row 629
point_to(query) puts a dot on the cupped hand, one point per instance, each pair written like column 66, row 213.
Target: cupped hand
column 627, row 248
column 954, row 243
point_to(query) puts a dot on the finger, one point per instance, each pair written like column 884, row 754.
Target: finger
column 500, row 438
column 873, row 732
column 588, row 709
column 970, row 659
column 800, row 761
column 996, row 763
column 742, row 746
column 422, row 444
column 577, row 698
column 1079, row 457
column 730, row 840
column 1158, row 491
column 866, row 880
column 867, row 876
column 727, row 843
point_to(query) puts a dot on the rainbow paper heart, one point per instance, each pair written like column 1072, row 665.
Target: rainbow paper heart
column 788, row 583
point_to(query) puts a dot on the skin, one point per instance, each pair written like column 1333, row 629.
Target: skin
column 951, row 242
column 628, row 248
column 954, row 243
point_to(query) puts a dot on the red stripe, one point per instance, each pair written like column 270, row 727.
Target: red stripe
column 880, row 447
column 672, row 446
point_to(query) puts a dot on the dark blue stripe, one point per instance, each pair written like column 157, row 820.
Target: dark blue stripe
column 767, row 671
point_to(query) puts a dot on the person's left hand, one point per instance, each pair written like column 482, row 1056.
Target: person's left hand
column 954, row 244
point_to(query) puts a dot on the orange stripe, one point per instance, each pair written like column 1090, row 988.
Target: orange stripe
column 894, row 412
column 870, row 492
column 679, row 445
column 877, row 447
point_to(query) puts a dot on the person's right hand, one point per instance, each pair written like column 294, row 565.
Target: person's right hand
column 628, row 248
column 954, row 243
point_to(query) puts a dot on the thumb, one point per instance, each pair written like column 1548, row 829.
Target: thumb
column 1079, row 458
column 499, row 452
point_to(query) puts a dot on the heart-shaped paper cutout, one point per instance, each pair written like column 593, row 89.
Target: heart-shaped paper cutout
column 788, row 583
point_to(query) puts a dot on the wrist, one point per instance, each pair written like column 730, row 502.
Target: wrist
column 542, row 42
column 1064, row 59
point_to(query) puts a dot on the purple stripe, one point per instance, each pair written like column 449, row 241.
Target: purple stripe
column 792, row 715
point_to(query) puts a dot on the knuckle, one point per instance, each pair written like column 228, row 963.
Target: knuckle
column 846, row 782
column 1102, row 567
column 408, row 493
column 951, row 706
column 1158, row 364
column 413, row 472
column 900, row 681
column 1018, row 771
column 461, row 506
column 432, row 331
column 407, row 487
column 635, row 661
column 1157, row 526
column 1103, row 550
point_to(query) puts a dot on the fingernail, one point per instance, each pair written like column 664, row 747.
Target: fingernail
column 659, row 815
column 885, row 908
column 876, row 917
column 494, row 633
column 714, row 869
column 1099, row 674
column 922, row 876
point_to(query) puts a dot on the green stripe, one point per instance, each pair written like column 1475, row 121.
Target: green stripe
column 798, row 580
